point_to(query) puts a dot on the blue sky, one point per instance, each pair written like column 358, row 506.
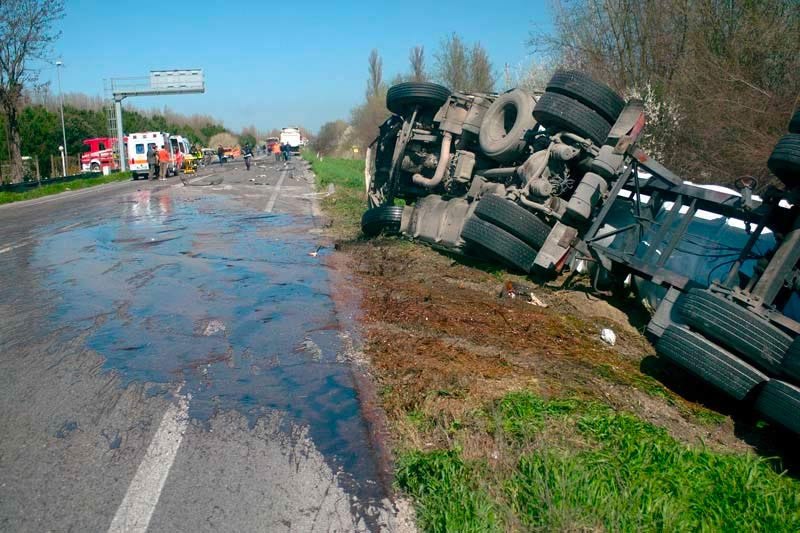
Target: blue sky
column 303, row 63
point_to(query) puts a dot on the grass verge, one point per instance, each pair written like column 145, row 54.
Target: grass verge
column 55, row 188
column 348, row 203
column 601, row 470
column 510, row 417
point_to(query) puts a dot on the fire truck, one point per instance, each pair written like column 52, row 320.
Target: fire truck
column 98, row 153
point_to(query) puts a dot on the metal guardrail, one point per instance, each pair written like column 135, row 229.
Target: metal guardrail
column 32, row 184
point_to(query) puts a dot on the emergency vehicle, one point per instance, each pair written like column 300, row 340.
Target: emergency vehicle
column 138, row 144
column 98, row 153
column 293, row 138
column 181, row 149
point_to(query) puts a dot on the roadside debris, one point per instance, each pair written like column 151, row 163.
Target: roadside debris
column 513, row 290
column 608, row 336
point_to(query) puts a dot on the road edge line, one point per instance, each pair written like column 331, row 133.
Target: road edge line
column 137, row 507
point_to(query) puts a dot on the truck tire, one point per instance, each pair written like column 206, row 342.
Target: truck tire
column 785, row 159
column 780, row 402
column 516, row 220
column 708, row 361
column 94, row 167
column 735, row 328
column 403, row 97
column 794, row 124
column 385, row 218
column 595, row 96
column 791, row 361
column 559, row 112
column 499, row 243
column 504, row 126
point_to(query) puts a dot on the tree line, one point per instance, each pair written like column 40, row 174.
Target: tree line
column 30, row 125
column 456, row 64
column 40, row 129
column 719, row 78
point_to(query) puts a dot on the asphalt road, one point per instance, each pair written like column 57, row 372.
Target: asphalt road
column 171, row 359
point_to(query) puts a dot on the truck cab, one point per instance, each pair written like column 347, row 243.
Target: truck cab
column 98, row 153
column 292, row 137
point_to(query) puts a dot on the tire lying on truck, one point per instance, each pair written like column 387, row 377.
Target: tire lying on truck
column 503, row 128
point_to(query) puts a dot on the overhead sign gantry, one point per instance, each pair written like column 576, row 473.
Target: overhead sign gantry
column 159, row 82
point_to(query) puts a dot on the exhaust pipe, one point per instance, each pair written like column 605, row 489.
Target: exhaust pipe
column 441, row 167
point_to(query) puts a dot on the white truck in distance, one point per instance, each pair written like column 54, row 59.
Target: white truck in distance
column 293, row 138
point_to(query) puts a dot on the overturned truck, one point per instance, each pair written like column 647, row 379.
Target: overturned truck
column 556, row 182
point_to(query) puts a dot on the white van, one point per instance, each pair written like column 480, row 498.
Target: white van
column 138, row 144
column 292, row 137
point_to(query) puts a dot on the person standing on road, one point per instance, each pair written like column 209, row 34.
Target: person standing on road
column 276, row 151
column 287, row 154
column 152, row 160
column 221, row 154
column 248, row 154
column 163, row 163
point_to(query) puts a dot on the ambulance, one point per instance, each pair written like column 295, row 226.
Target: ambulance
column 181, row 148
column 138, row 144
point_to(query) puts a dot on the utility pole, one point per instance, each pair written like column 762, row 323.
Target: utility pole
column 59, row 64
column 120, row 134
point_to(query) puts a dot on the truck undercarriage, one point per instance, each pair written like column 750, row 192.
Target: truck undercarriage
column 557, row 183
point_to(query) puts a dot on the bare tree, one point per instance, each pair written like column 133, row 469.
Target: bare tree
column 452, row 63
column 329, row 137
column 481, row 77
column 26, row 34
column 375, row 81
column 367, row 117
column 417, row 59
column 719, row 78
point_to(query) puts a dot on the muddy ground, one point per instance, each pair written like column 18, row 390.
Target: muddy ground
column 445, row 341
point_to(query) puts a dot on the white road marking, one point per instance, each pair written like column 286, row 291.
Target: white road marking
column 275, row 192
column 13, row 247
column 136, row 509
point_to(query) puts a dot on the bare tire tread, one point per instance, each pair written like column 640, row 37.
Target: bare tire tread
column 513, row 218
column 500, row 243
column 594, row 95
column 401, row 98
column 559, row 112
column 785, row 159
column 385, row 218
column 735, row 328
column 780, row 402
column 709, row 362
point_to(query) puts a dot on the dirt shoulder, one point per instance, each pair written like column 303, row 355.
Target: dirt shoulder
column 496, row 406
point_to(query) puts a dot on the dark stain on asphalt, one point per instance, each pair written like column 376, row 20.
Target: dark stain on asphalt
column 66, row 428
column 231, row 306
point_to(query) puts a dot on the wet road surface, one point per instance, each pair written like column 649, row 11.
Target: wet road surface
column 171, row 359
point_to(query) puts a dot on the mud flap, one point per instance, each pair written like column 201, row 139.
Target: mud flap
column 552, row 256
column 665, row 314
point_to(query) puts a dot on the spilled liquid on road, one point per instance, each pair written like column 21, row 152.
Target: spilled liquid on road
column 230, row 304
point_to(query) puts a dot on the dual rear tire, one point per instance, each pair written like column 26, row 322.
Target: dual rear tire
column 575, row 103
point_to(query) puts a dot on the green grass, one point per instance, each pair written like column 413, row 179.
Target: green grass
column 347, row 173
column 447, row 493
column 614, row 472
column 55, row 188
column 349, row 202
